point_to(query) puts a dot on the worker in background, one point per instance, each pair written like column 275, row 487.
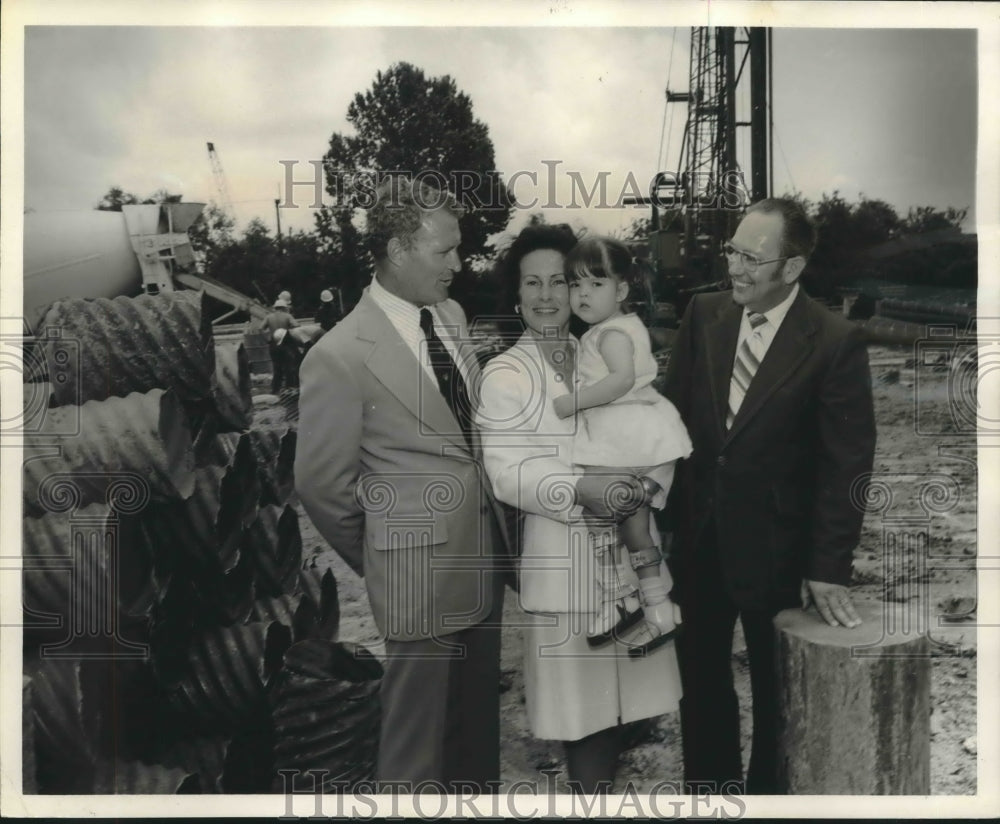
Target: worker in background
column 279, row 317
column 286, row 356
column 326, row 314
column 284, row 362
column 286, row 296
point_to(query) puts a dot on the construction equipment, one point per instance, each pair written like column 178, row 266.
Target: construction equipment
column 91, row 254
column 695, row 209
column 225, row 202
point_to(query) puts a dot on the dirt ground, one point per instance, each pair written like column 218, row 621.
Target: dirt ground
column 922, row 448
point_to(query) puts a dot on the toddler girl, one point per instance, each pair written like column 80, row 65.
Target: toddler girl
column 625, row 424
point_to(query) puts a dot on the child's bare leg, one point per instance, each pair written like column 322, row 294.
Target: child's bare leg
column 644, row 555
column 635, row 534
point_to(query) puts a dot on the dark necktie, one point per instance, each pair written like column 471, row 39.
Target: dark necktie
column 449, row 379
column 745, row 367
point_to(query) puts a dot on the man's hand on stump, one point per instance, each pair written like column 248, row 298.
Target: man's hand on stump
column 833, row 602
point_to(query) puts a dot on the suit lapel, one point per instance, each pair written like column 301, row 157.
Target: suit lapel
column 392, row 362
column 722, row 333
column 791, row 345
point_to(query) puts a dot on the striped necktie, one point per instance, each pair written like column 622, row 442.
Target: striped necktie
column 747, row 362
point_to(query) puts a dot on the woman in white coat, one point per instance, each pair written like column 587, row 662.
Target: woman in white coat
column 574, row 693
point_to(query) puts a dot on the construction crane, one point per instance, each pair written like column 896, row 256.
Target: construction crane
column 695, row 209
column 225, row 203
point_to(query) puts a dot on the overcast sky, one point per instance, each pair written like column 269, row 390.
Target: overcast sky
column 889, row 113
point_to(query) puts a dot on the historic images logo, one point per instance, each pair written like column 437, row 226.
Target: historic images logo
column 549, row 188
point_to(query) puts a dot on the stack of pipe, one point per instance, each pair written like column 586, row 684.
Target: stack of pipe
column 162, row 557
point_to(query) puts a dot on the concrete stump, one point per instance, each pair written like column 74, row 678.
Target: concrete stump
column 854, row 704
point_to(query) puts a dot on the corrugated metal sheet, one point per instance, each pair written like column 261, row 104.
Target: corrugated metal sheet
column 309, row 614
column 65, row 730
column 34, row 369
column 59, row 572
column 285, row 609
column 275, row 451
column 231, row 387
column 224, row 687
column 87, row 709
column 274, row 544
column 135, row 778
column 125, row 345
column 140, row 445
column 207, row 528
column 241, row 482
column 211, row 448
column 326, row 711
column 321, row 587
column 203, row 757
column 249, row 766
column 195, row 600
column 36, row 398
column 289, row 401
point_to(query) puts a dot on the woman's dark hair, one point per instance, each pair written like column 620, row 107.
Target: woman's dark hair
column 605, row 257
column 558, row 237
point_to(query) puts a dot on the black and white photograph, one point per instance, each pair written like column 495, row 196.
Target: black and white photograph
column 542, row 409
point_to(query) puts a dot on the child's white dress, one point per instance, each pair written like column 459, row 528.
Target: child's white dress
column 641, row 428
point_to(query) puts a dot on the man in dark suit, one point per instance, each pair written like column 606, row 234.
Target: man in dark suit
column 776, row 393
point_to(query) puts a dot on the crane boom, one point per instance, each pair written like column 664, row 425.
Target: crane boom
column 696, row 209
column 225, row 203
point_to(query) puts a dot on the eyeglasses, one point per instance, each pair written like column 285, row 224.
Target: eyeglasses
column 747, row 261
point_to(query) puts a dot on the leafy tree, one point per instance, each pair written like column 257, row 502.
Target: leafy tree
column 342, row 246
column 249, row 265
column 875, row 221
column 116, row 197
column 211, row 233
column 636, row 232
column 257, row 265
column 928, row 219
column 408, row 122
column 163, row 196
column 851, row 234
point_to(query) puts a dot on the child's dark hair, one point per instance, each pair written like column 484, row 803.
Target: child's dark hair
column 605, row 257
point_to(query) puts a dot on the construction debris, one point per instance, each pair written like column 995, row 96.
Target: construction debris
column 138, row 446
column 160, row 542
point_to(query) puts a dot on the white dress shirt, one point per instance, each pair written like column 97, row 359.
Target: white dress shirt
column 405, row 318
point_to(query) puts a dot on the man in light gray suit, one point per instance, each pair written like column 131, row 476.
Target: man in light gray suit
column 388, row 469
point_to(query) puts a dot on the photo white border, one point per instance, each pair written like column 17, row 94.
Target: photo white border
column 16, row 14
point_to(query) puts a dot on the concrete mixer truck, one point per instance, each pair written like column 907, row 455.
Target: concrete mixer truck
column 91, row 254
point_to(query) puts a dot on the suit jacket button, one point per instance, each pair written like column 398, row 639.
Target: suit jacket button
column 721, row 460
